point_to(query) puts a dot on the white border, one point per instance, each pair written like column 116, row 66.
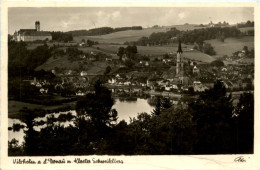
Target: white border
column 130, row 162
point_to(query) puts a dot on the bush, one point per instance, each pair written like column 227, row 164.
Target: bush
column 217, row 63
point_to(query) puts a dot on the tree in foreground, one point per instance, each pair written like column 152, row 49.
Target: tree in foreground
column 212, row 114
column 244, row 124
column 157, row 110
column 97, row 109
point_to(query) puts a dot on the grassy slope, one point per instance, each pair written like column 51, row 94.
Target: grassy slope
column 121, row 36
column 131, row 35
column 231, row 45
column 160, row 50
column 198, row 56
column 62, row 62
column 99, row 67
column 227, row 48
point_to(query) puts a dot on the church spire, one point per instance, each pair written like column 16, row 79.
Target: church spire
column 179, row 47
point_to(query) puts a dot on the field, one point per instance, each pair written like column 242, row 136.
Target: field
column 245, row 29
column 231, row 45
column 131, row 35
column 145, row 50
column 99, row 67
column 198, row 56
column 121, row 36
column 228, row 47
column 161, row 50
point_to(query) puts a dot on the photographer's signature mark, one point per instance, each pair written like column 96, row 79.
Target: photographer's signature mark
column 239, row 159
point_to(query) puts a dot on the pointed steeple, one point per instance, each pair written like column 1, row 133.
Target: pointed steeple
column 179, row 47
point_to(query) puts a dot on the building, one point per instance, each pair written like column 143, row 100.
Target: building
column 29, row 35
column 179, row 65
column 180, row 72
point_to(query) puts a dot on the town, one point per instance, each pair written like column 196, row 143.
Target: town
column 125, row 71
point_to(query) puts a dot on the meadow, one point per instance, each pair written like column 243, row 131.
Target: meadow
column 231, row 45
column 132, row 35
column 161, row 50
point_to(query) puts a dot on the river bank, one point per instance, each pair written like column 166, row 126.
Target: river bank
column 14, row 108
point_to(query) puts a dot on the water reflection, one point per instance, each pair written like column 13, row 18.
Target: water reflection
column 126, row 108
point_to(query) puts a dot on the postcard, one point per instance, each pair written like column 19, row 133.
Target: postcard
column 129, row 85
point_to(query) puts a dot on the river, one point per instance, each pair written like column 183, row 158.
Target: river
column 125, row 109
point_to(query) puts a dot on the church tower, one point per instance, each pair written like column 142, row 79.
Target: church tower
column 179, row 64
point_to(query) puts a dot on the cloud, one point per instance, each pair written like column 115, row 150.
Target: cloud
column 116, row 14
column 64, row 19
column 182, row 15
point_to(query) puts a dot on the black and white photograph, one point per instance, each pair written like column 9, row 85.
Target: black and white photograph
column 130, row 81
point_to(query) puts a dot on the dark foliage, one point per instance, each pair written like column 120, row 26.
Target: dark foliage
column 22, row 62
column 247, row 24
column 208, row 125
column 217, row 63
column 212, row 113
column 102, row 31
column 61, row 36
column 244, row 124
column 157, row 109
column 73, row 54
column 191, row 36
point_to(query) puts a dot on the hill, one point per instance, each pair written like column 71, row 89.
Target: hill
column 161, row 50
column 231, row 45
column 121, row 36
column 99, row 67
column 64, row 63
column 133, row 35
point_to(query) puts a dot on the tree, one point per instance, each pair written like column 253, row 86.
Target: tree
column 130, row 51
column 90, row 43
column 221, row 36
column 129, row 64
column 14, row 149
column 30, row 138
column 121, row 52
column 212, row 112
column 108, row 69
column 157, row 110
column 97, row 108
column 191, row 90
column 134, row 49
column 244, row 124
column 208, row 49
column 166, row 103
column 245, row 48
column 217, row 63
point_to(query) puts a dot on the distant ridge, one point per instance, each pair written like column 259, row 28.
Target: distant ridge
column 102, row 31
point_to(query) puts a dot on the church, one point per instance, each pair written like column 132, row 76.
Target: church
column 181, row 76
column 30, row 35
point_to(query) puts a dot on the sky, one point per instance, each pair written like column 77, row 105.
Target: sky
column 75, row 18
